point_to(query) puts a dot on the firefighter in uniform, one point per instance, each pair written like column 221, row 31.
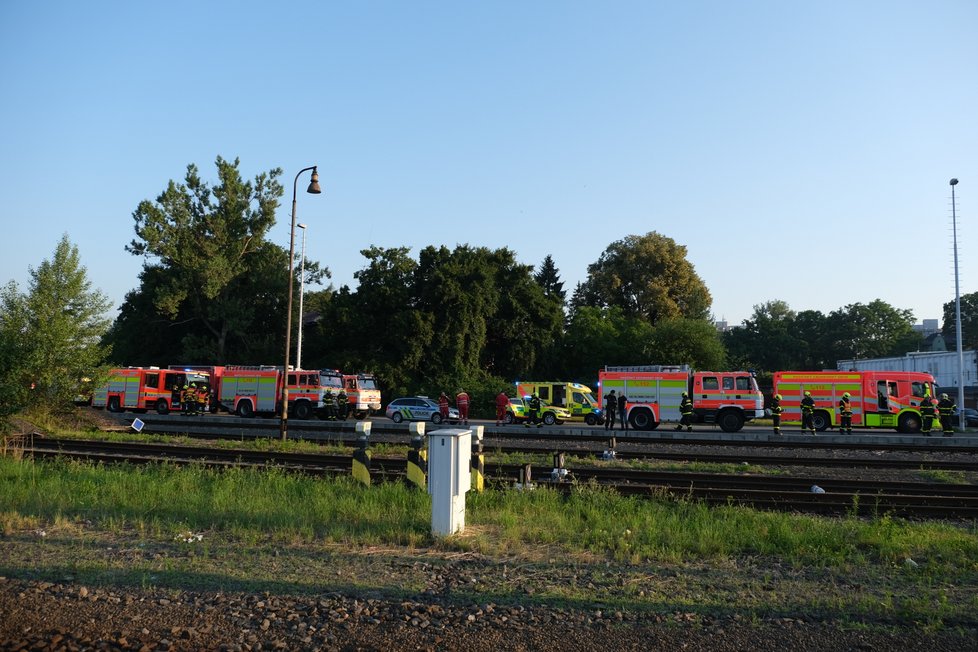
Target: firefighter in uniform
column 808, row 413
column 203, row 396
column 185, row 399
column 533, row 412
column 776, row 411
column 329, row 403
column 928, row 409
column 686, row 410
column 192, row 399
column 946, row 408
column 342, row 405
column 845, row 412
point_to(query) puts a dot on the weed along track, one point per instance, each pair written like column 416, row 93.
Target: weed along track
column 809, row 493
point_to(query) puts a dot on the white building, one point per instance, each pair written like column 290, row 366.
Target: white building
column 943, row 366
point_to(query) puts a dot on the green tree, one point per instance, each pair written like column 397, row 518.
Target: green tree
column 969, row 321
column 598, row 337
column 548, row 278
column 767, row 341
column 694, row 342
column 51, row 335
column 214, row 277
column 875, row 330
column 646, row 276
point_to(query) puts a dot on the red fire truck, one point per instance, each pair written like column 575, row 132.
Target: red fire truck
column 247, row 391
column 146, row 388
column 879, row 399
column 653, row 392
column 362, row 393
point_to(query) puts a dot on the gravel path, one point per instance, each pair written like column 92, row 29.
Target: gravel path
column 64, row 616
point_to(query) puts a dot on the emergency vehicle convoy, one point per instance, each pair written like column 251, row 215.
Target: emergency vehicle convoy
column 654, row 392
column 879, row 399
column 243, row 390
column 576, row 398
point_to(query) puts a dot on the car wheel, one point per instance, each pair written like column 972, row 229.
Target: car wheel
column 436, row 417
column 162, row 407
column 397, row 417
column 509, row 419
column 590, row 420
column 549, row 418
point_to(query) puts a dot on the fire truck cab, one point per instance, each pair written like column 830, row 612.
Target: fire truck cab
column 654, row 392
column 362, row 393
column 879, row 399
column 146, row 388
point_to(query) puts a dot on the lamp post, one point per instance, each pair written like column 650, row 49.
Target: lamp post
column 314, row 190
column 957, row 311
column 302, row 288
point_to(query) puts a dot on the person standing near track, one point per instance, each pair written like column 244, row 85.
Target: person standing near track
column 443, row 406
column 610, row 409
column 845, row 414
column 533, row 411
column 946, row 408
column 623, row 411
column 686, row 410
column 776, row 411
column 928, row 410
column 808, row 413
column 502, row 402
column 462, row 403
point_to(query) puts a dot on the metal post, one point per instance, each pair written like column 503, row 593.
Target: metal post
column 313, row 189
column 302, row 288
column 957, row 312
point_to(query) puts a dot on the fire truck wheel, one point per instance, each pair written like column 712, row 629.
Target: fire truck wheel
column 113, row 405
column 641, row 419
column 302, row 410
column 730, row 421
column 162, row 407
column 909, row 423
column 359, row 415
column 244, row 410
column 821, row 420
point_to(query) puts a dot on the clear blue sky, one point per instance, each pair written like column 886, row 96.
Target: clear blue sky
column 800, row 151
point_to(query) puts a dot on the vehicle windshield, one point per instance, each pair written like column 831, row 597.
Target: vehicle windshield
column 330, row 380
column 589, row 399
column 367, row 382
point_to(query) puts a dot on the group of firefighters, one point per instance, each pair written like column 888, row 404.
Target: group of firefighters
column 195, row 399
column 336, row 406
column 929, row 409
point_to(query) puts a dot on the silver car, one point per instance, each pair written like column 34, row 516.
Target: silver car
column 417, row 408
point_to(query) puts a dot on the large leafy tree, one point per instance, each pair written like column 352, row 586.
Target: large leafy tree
column 646, row 276
column 768, row 340
column 50, row 337
column 213, row 287
column 969, row 321
column 873, row 330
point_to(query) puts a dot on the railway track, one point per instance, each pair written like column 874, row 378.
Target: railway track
column 519, row 440
column 865, row 498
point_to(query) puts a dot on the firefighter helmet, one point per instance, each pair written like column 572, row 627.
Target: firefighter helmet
column 807, row 393
column 943, row 396
column 845, row 394
column 685, row 395
column 777, row 396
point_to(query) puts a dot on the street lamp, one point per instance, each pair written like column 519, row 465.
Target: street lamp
column 314, row 190
column 302, row 288
column 957, row 312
